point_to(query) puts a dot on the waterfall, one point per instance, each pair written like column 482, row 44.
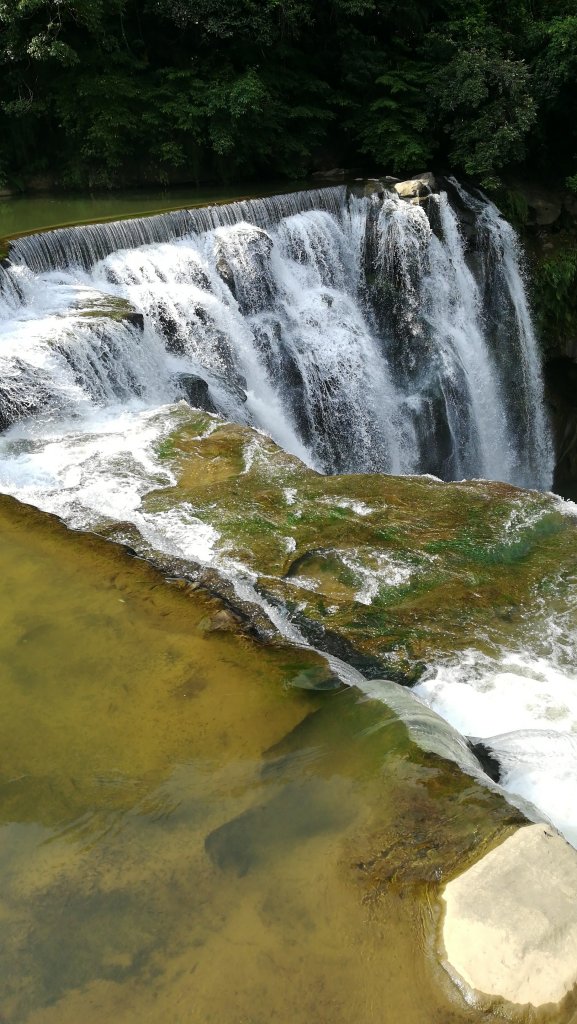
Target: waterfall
column 510, row 329
column 362, row 333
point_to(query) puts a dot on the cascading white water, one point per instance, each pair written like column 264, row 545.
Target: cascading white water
column 10, row 294
column 523, row 708
column 350, row 329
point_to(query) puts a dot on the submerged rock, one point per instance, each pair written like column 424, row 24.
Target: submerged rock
column 510, row 929
column 265, row 832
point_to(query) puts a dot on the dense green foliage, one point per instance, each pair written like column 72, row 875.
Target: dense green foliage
column 555, row 297
column 108, row 91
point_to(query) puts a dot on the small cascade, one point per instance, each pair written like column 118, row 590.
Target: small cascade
column 520, row 707
column 47, row 370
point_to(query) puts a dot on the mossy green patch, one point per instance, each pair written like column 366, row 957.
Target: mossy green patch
column 554, row 281
column 109, row 306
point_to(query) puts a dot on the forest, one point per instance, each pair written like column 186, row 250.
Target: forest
column 102, row 93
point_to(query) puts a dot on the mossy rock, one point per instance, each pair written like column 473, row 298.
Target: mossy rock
column 388, row 572
column 100, row 305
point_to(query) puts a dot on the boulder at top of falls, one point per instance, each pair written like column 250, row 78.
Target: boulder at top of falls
column 510, row 928
column 373, row 186
column 413, row 188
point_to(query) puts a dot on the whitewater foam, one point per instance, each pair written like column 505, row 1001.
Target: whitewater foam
column 524, row 710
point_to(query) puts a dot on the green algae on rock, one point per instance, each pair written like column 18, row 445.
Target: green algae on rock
column 387, row 572
column 95, row 304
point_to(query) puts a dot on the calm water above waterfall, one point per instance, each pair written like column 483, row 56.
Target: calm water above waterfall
column 364, row 335
column 23, row 213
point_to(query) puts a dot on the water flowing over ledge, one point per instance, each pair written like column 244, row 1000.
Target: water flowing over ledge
column 86, row 245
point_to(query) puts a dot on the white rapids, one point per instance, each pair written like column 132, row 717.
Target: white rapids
column 524, row 710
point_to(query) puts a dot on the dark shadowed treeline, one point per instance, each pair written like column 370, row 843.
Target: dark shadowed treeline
column 105, row 92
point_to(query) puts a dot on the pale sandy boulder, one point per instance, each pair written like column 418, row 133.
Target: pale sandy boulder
column 510, row 927
column 413, row 188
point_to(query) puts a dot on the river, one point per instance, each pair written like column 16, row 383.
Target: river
column 197, row 809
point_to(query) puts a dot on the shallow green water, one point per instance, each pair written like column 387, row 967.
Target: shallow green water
column 186, row 837
column 21, row 214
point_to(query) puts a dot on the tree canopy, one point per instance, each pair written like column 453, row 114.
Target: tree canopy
column 101, row 92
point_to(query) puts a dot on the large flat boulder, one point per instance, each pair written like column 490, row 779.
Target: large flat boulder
column 510, row 927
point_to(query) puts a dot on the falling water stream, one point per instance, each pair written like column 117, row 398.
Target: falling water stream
column 348, row 329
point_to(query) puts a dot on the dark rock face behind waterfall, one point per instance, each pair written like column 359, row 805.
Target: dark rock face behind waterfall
column 386, row 331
